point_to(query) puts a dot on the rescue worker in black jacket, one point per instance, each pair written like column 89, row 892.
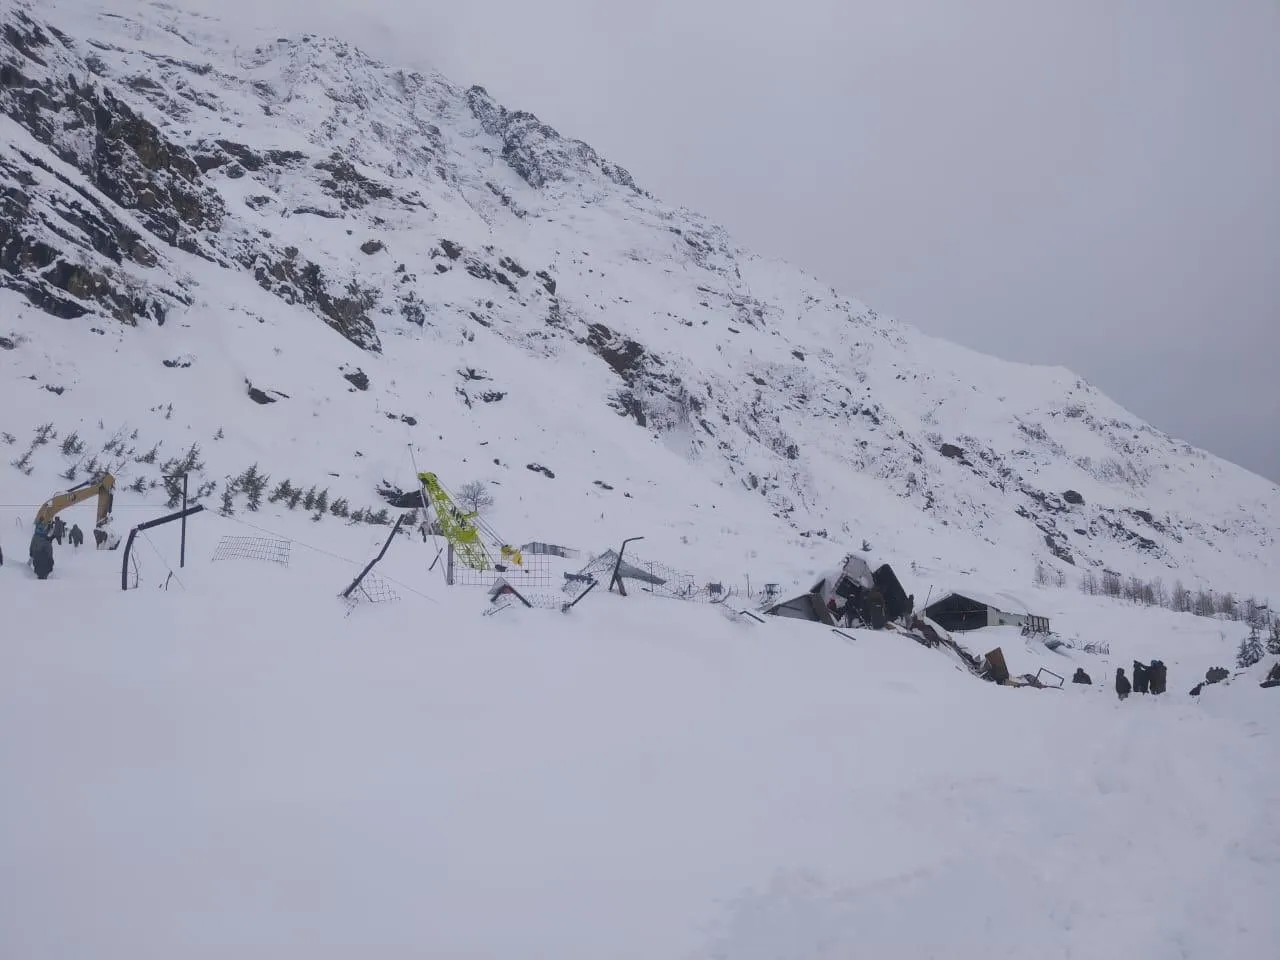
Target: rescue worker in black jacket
column 41, row 552
column 1122, row 683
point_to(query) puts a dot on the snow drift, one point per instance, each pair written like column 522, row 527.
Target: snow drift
column 235, row 766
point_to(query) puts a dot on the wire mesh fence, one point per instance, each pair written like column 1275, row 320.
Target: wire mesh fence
column 266, row 549
column 538, row 601
column 647, row 575
column 533, row 574
column 371, row 589
column 1096, row 648
column 599, row 568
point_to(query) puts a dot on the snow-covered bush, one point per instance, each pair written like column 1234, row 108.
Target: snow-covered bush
column 1251, row 650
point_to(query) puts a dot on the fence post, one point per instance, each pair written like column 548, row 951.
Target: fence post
column 182, row 546
column 566, row 607
column 617, row 567
column 381, row 553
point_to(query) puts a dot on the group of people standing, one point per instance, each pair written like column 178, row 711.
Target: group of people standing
column 43, row 539
column 1147, row 678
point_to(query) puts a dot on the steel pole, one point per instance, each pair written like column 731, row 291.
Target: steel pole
column 182, row 549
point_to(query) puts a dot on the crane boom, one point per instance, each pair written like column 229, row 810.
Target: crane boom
column 455, row 526
column 462, row 529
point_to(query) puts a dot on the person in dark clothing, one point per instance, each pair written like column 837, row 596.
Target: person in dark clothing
column 1157, row 677
column 1122, row 683
column 76, row 536
column 59, row 530
column 99, row 537
column 1140, row 677
column 41, row 555
column 1081, row 676
column 875, row 617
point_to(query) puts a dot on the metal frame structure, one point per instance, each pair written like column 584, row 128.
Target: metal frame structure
column 128, row 546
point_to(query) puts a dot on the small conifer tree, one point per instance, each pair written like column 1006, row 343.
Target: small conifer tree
column 1250, row 651
column 282, row 491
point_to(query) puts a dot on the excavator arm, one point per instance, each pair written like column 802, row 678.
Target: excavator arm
column 101, row 488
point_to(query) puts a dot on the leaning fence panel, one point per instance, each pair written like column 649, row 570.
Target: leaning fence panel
column 267, row 549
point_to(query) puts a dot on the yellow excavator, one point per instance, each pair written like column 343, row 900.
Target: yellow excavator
column 41, row 537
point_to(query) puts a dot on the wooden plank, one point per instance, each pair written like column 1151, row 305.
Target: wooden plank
column 995, row 660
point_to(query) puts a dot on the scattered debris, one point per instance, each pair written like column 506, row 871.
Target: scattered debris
column 997, row 669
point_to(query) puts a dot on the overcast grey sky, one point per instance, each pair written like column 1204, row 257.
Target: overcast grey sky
column 1094, row 183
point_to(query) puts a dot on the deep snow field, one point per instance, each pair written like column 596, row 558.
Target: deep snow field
column 236, row 767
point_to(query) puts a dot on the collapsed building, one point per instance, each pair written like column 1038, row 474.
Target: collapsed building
column 856, row 593
column 853, row 591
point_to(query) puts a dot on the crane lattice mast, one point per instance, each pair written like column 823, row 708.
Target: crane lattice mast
column 462, row 529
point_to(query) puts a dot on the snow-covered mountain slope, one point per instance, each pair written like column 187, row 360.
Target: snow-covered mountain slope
column 318, row 259
column 234, row 768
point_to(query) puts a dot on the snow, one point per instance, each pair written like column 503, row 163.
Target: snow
column 227, row 761
column 234, row 766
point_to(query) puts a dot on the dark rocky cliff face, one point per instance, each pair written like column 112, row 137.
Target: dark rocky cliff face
column 83, row 229
column 86, row 126
column 63, row 241
column 535, row 150
column 68, row 247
